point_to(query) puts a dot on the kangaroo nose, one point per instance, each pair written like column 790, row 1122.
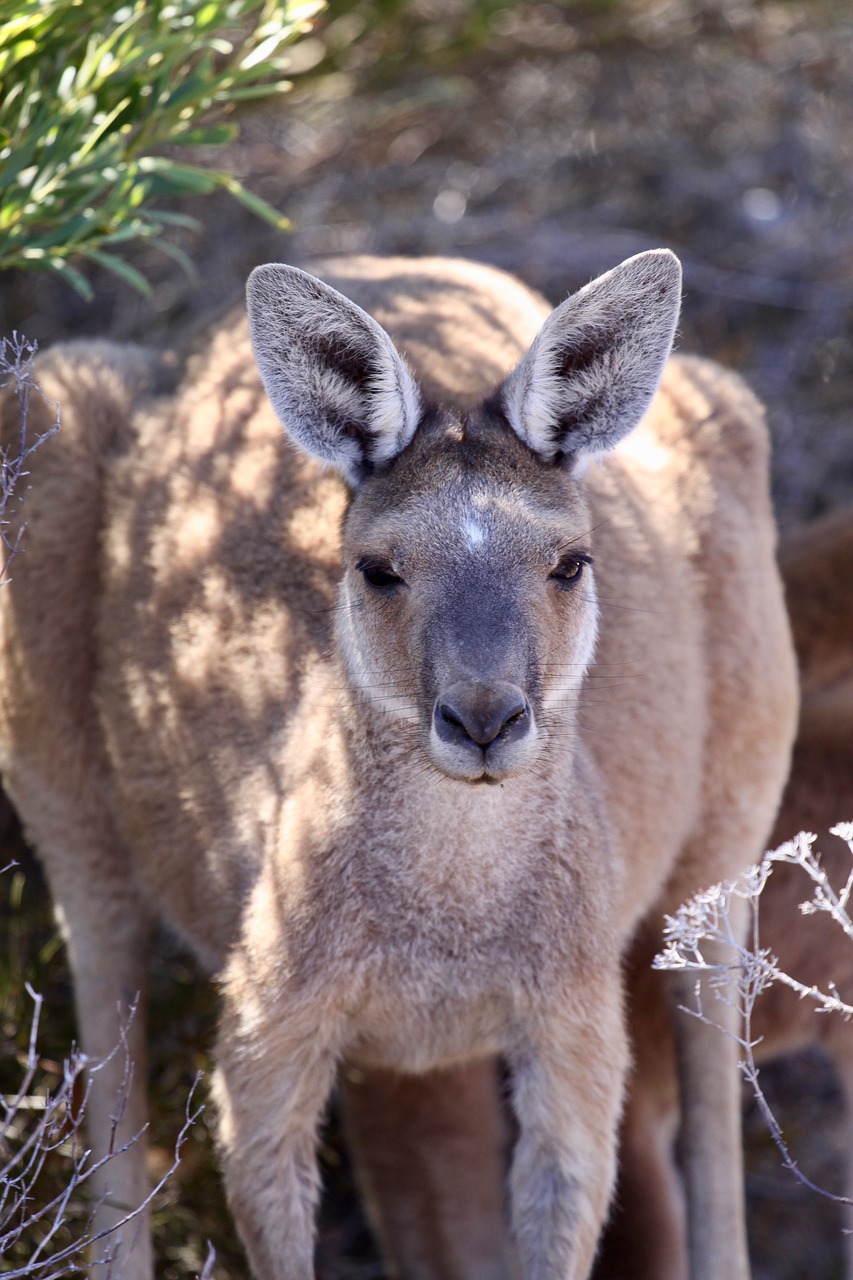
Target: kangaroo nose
column 480, row 713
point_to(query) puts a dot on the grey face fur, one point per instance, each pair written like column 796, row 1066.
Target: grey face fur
column 467, row 607
column 468, row 594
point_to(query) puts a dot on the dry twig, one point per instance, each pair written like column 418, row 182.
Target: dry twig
column 708, row 917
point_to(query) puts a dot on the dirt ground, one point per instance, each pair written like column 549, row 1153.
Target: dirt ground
column 568, row 139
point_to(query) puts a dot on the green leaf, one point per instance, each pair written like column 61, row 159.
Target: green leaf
column 102, row 129
column 262, row 52
column 256, row 204
column 72, row 276
column 171, row 219
column 120, row 268
column 177, row 254
column 16, row 53
column 171, row 176
column 21, row 158
column 215, row 135
column 255, row 92
column 69, row 232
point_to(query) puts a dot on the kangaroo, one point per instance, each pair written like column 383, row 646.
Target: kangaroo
column 406, row 725
column 646, row 1239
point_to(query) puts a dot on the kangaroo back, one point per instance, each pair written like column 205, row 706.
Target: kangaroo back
column 647, row 1230
column 816, row 565
column 53, row 754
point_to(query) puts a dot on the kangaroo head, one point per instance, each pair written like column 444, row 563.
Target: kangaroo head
column 467, row 605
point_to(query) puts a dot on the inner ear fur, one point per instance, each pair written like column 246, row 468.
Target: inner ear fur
column 332, row 374
column 594, row 366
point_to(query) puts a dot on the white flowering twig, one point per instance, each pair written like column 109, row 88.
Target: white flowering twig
column 707, row 918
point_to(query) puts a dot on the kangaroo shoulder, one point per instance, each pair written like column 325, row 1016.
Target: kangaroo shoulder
column 713, row 415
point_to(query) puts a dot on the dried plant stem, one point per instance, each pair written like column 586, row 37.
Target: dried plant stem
column 16, row 371
column 708, row 917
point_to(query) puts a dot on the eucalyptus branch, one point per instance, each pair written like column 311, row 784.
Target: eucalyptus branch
column 91, row 94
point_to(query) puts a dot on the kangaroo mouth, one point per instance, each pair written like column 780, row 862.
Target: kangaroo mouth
column 485, row 777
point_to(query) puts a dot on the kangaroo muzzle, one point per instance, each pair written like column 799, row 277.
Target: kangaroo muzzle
column 480, row 729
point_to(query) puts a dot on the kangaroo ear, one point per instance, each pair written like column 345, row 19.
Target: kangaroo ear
column 332, row 374
column 595, row 364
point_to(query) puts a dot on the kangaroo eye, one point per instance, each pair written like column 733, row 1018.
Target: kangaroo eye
column 569, row 571
column 379, row 574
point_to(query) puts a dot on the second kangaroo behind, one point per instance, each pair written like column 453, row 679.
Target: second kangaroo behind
column 411, row 742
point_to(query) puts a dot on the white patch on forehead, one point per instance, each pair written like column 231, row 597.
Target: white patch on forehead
column 475, row 534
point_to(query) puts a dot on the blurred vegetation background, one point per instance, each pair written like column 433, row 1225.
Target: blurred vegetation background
column 152, row 154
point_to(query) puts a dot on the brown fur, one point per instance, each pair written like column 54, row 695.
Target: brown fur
column 817, row 563
column 176, row 734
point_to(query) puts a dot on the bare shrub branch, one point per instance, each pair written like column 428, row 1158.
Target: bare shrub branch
column 40, row 1127
column 16, row 372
